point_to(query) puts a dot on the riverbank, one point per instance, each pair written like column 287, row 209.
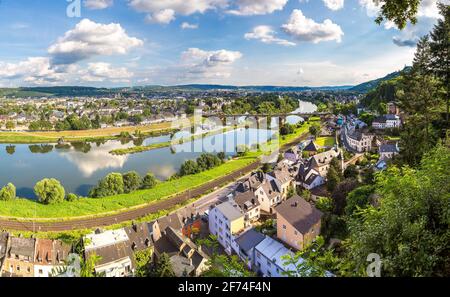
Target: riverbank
column 81, row 135
column 28, row 210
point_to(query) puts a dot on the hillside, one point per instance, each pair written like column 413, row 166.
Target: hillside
column 370, row 85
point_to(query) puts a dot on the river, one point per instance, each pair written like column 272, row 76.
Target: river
column 79, row 166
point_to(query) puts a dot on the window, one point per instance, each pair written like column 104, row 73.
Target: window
column 18, row 268
column 295, row 232
column 284, row 226
column 40, row 271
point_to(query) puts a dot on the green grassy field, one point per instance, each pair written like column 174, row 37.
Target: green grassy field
column 24, row 208
column 325, row 141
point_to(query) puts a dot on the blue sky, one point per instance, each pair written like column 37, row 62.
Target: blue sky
column 240, row 42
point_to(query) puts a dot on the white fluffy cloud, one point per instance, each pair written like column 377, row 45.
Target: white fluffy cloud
column 198, row 63
column 89, row 39
column 98, row 4
column 166, row 10
column 186, row 25
column 34, row 70
column 98, row 72
column 267, row 35
column 259, row 7
column 334, row 4
column 305, row 29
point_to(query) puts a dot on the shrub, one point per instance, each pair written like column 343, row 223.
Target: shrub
column 49, row 191
column 111, row 185
column 131, row 181
column 8, row 192
column 149, row 181
column 71, row 197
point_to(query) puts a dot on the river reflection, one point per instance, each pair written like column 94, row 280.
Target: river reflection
column 80, row 165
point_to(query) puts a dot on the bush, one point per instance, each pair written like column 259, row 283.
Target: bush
column 149, row 181
column 8, row 192
column 189, row 167
column 49, row 191
column 111, row 185
column 71, row 197
column 131, row 181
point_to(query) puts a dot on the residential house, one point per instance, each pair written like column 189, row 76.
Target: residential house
column 249, row 204
column 309, row 178
column 154, row 230
column 387, row 121
column 298, row 222
column 388, row 151
column 226, row 221
column 246, row 244
column 321, row 162
column 311, row 148
column 268, row 195
column 19, row 260
column 186, row 258
column 252, row 183
column 269, row 258
column 139, row 236
column 293, row 154
column 50, row 255
column 283, row 178
column 115, row 252
column 358, row 140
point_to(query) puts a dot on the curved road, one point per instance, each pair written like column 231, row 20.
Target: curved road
column 133, row 214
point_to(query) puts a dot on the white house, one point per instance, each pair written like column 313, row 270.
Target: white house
column 268, row 195
column 388, row 151
column 268, row 258
column 114, row 248
column 226, row 221
column 387, row 121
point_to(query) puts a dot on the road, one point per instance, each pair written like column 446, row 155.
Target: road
column 129, row 215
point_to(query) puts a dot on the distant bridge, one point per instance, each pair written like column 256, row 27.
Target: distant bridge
column 281, row 116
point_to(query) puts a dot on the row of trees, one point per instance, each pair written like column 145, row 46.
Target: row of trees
column 203, row 163
column 116, row 183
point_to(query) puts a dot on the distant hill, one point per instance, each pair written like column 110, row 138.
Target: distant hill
column 370, row 85
column 54, row 91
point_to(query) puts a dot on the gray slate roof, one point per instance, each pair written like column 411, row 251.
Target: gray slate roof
column 299, row 213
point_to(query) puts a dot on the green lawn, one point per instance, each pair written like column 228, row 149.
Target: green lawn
column 325, row 141
column 24, row 208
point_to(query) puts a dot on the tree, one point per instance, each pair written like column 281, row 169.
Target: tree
column 10, row 125
column 112, row 184
column 351, row 171
column 409, row 228
column 8, row 192
column 189, row 167
column 439, row 48
column 49, row 191
column 143, row 260
column 397, row 11
column 88, row 266
column 314, row 130
column 163, row 267
column 131, row 181
column 333, row 178
column 313, row 261
column 149, row 181
column 340, row 193
column 359, row 198
column 419, row 99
